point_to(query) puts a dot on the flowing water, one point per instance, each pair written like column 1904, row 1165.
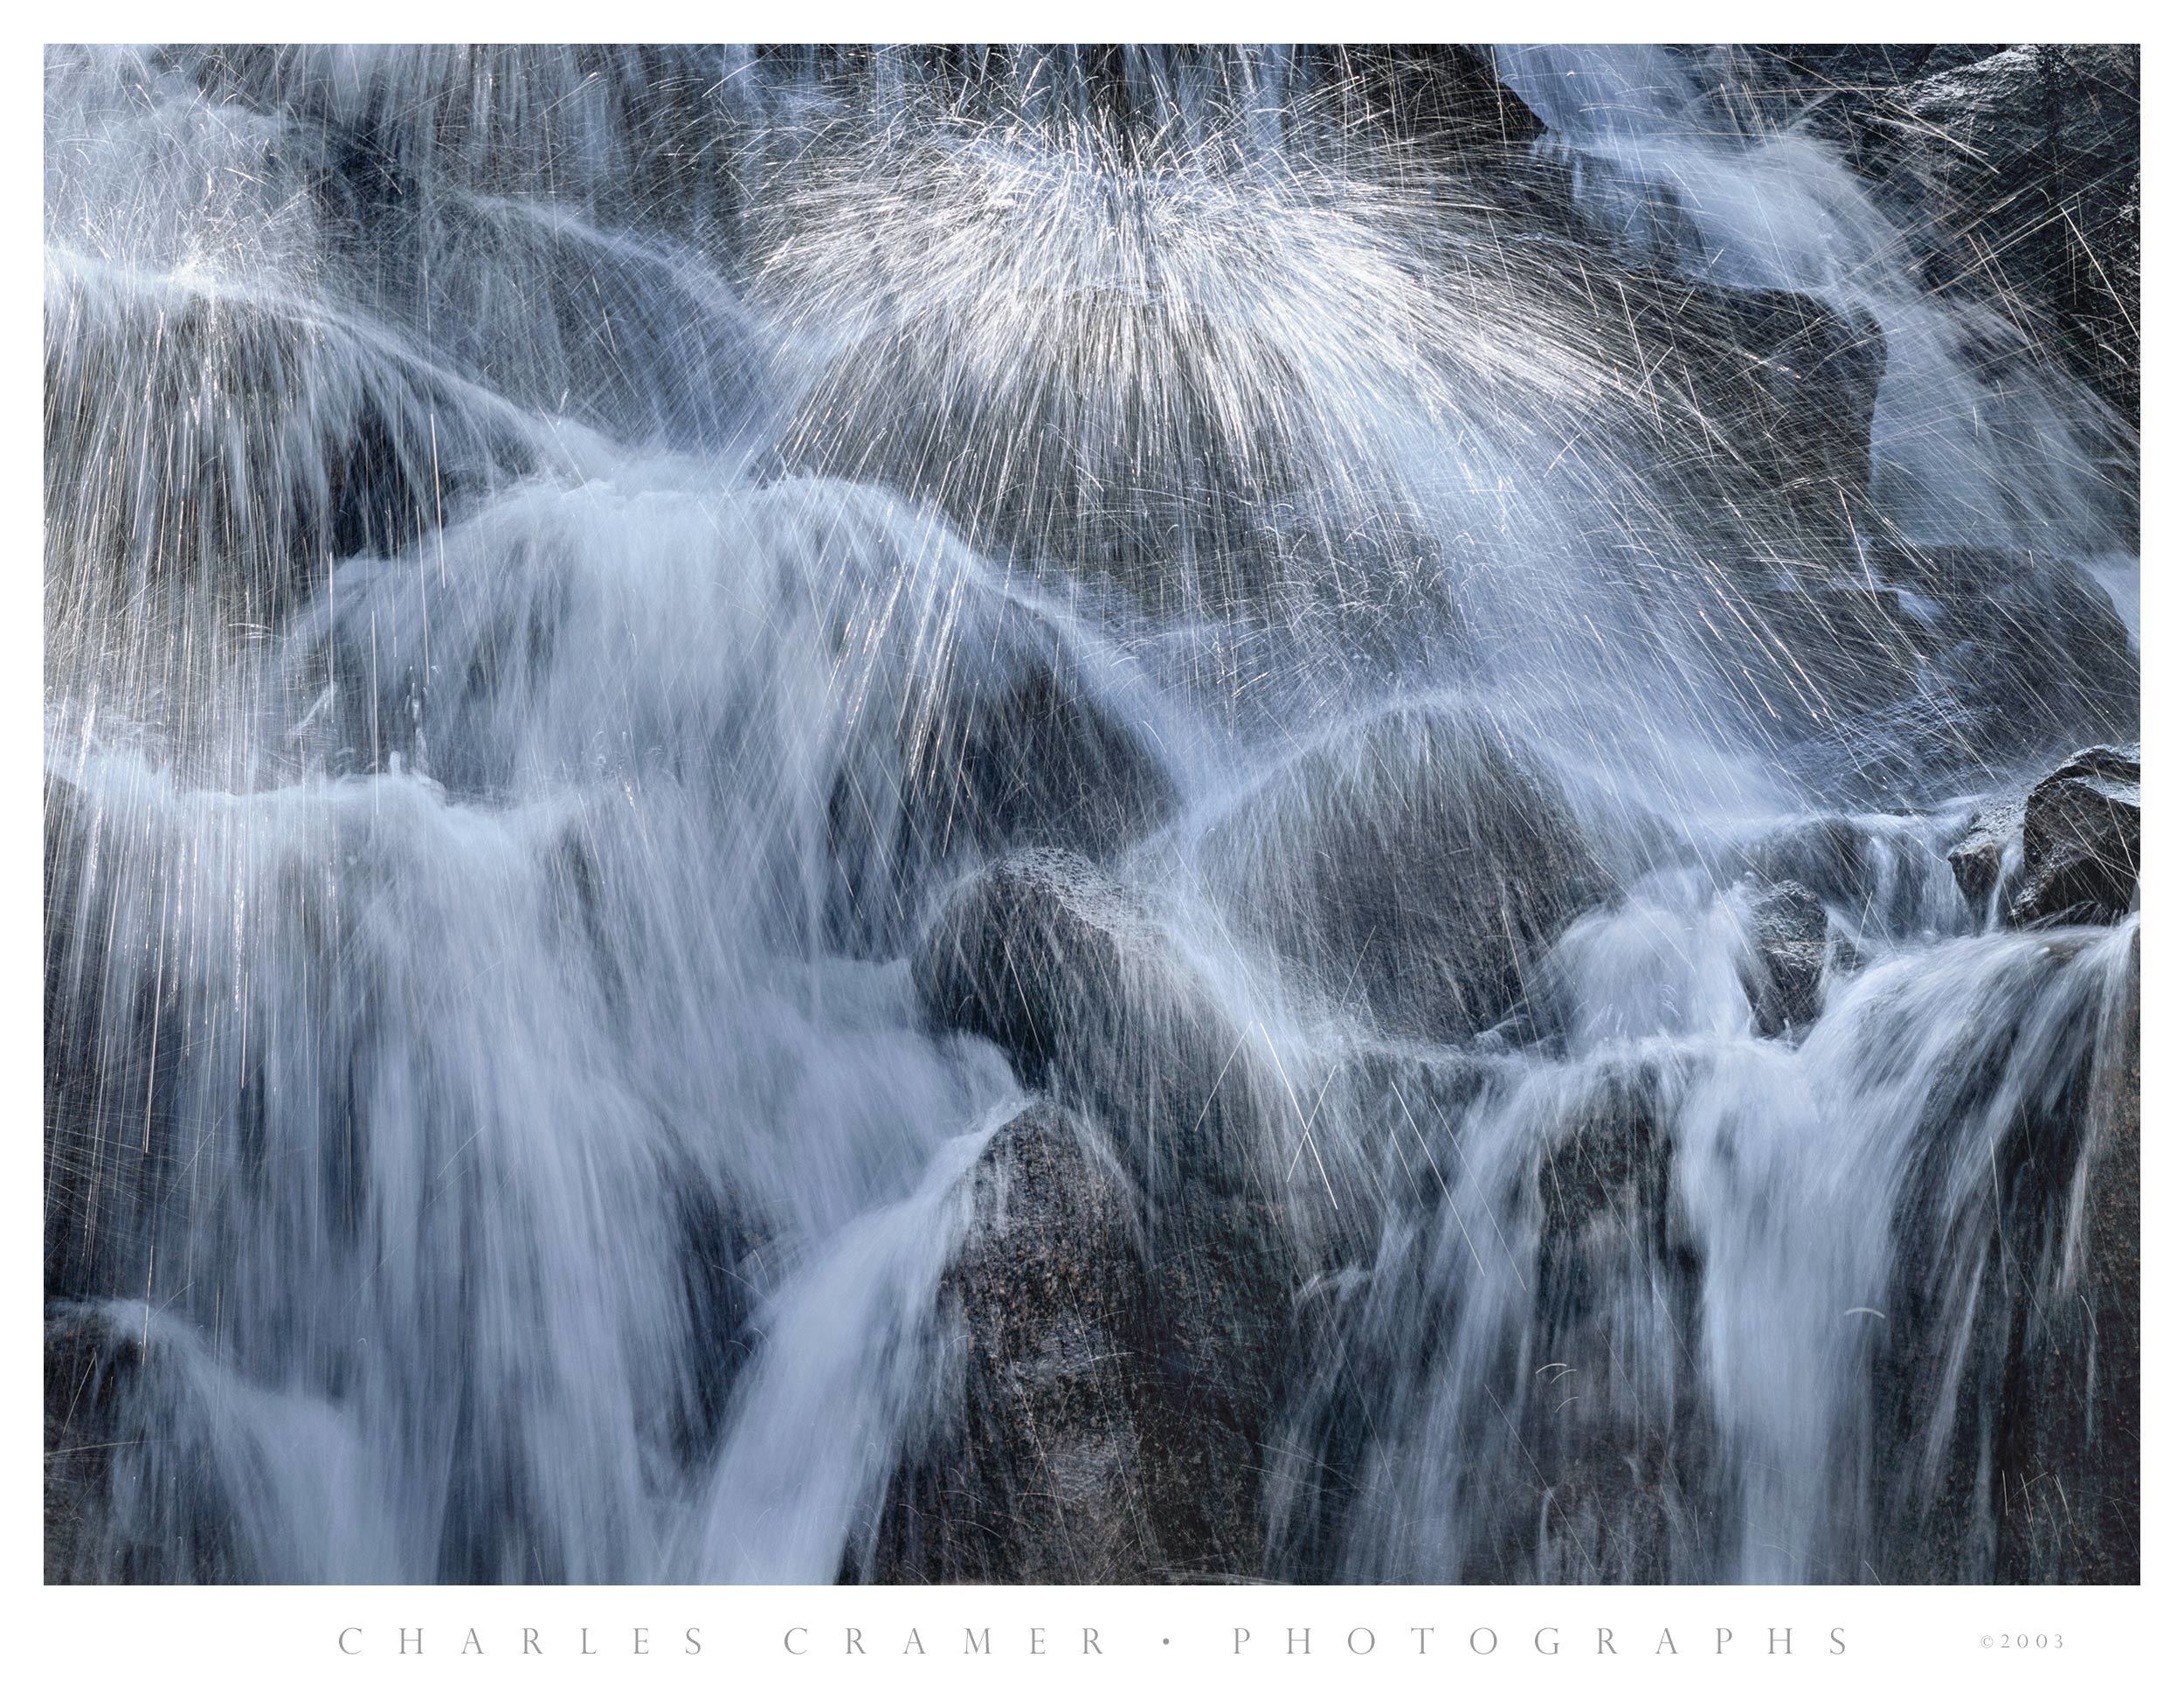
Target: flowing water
column 559, row 559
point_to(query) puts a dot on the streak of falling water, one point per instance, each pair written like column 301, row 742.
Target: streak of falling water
column 558, row 557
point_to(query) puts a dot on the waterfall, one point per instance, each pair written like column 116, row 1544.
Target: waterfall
column 1055, row 814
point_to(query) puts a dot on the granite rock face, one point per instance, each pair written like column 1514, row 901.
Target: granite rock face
column 2064, row 853
column 1112, row 1405
column 1420, row 863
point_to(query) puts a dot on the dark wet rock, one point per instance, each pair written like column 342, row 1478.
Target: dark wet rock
column 1830, row 855
column 1029, row 758
column 2030, row 158
column 1065, row 968
column 2081, row 842
column 1420, row 864
column 253, row 438
column 1613, row 1417
column 108, row 1438
column 1982, row 858
column 2000, row 655
column 2026, row 643
column 2066, row 853
column 1847, row 93
column 1794, row 947
column 1761, row 400
column 1113, row 1385
column 1611, row 1161
column 2083, row 1347
column 115, row 1046
column 2017, row 166
column 87, row 1362
column 1444, row 96
column 1795, row 380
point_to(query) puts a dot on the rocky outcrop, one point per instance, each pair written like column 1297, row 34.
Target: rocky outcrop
column 2066, row 853
column 1793, row 948
column 1419, row 864
column 2083, row 1348
column 2030, row 159
column 2081, row 842
column 2018, row 166
column 1116, row 1379
column 1948, row 662
column 1780, row 385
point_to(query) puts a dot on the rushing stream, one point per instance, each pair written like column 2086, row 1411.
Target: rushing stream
column 567, row 568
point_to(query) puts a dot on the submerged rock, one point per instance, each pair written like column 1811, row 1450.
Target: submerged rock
column 1419, row 863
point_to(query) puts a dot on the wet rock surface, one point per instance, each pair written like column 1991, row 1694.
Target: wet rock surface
column 1793, row 947
column 1067, row 969
column 1983, row 857
column 1420, row 864
column 1964, row 659
column 2081, row 842
column 1490, row 1351
column 1037, row 761
column 2017, row 1457
column 1112, row 1405
column 2064, row 853
column 2030, row 158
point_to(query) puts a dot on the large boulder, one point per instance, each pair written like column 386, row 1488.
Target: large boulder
column 2081, row 842
column 1417, row 865
column 1782, row 385
column 2030, row 159
column 2064, row 853
column 1067, row 969
column 1113, row 1385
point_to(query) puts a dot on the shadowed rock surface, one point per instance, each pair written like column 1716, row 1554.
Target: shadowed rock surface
column 1419, row 863
column 1110, row 1414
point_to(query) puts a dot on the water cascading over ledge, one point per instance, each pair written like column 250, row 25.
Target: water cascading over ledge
column 1091, row 815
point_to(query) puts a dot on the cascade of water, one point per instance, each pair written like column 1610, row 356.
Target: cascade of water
column 655, row 653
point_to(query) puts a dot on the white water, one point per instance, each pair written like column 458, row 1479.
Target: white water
column 501, row 1112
